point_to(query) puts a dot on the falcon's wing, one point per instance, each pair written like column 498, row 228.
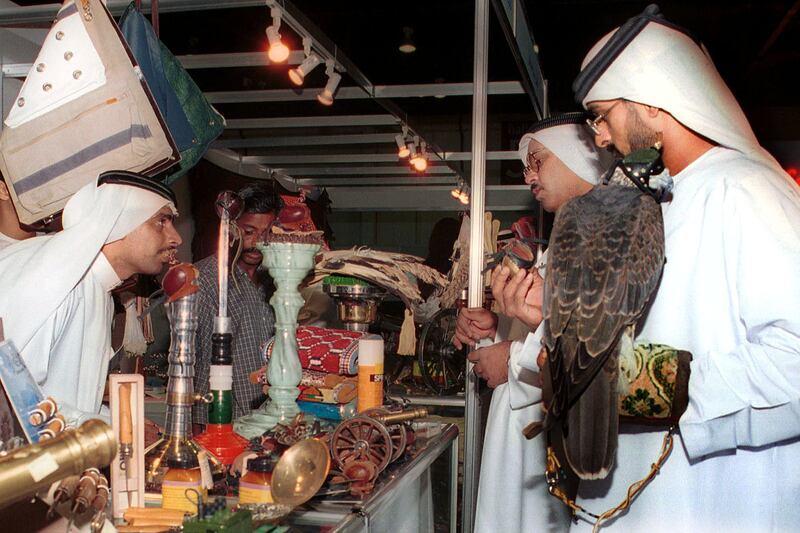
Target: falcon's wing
column 605, row 260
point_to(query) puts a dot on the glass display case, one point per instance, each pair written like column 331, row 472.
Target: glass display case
column 418, row 493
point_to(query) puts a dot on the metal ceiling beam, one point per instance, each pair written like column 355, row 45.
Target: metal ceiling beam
column 363, row 171
column 306, row 122
column 30, row 15
column 309, row 140
column 235, row 59
column 363, row 158
column 426, row 198
column 232, row 162
column 497, row 155
column 357, row 93
column 374, row 181
column 192, row 61
column 514, row 22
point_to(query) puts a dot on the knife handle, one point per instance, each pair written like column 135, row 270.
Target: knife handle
column 125, row 420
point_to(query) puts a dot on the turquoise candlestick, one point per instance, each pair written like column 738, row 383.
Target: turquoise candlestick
column 288, row 264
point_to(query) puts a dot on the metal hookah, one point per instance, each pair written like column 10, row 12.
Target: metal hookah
column 219, row 437
column 181, row 289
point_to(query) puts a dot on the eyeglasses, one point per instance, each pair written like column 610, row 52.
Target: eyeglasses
column 534, row 163
column 594, row 123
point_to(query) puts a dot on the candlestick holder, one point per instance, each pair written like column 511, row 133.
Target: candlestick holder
column 288, row 263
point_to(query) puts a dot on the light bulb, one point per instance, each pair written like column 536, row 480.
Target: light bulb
column 325, row 97
column 407, row 44
column 298, row 75
column 456, row 193
column 278, row 52
column 463, row 197
column 420, row 163
column 402, row 148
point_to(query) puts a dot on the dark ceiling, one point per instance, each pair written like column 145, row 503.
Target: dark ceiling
column 755, row 44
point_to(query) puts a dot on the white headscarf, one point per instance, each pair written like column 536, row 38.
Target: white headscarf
column 37, row 274
column 663, row 67
column 574, row 145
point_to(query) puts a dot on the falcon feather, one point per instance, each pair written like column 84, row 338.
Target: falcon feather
column 606, row 259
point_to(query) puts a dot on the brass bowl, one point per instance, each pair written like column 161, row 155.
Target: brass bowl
column 300, row 472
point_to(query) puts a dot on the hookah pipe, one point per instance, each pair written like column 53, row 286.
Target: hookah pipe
column 181, row 289
column 228, row 206
column 219, row 437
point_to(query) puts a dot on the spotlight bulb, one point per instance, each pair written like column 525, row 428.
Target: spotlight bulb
column 407, row 44
column 402, row 148
column 463, row 197
column 456, row 193
column 325, row 97
column 278, row 52
column 298, row 75
column 420, row 163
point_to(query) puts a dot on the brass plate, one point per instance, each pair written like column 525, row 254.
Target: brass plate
column 300, row 472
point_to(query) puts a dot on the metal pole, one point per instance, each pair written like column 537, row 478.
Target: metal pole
column 453, row 484
column 540, row 209
column 472, row 412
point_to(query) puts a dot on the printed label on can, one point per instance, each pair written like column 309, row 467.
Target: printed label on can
column 253, row 493
column 177, row 495
column 370, row 386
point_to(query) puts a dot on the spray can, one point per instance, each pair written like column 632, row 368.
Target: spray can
column 370, row 372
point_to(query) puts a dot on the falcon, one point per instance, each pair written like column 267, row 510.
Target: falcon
column 605, row 262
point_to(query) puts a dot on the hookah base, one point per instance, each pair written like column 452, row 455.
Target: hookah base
column 155, row 459
column 262, row 420
column 222, row 442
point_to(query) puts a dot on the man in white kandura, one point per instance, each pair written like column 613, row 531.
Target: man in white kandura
column 730, row 292
column 561, row 163
column 56, row 289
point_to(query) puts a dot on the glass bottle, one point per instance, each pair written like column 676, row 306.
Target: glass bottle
column 256, row 485
column 183, row 484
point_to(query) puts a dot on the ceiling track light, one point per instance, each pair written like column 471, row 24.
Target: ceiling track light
column 412, row 150
column 413, row 153
column 407, row 44
column 464, row 196
column 456, row 192
column 403, row 150
column 420, row 160
column 298, row 75
column 325, row 96
column 278, row 52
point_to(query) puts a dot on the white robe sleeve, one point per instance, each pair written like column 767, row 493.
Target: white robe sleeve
column 523, row 373
column 46, row 343
column 750, row 396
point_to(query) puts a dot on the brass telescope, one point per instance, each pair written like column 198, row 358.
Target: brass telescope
column 26, row 470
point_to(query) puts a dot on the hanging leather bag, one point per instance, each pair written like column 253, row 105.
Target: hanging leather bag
column 83, row 109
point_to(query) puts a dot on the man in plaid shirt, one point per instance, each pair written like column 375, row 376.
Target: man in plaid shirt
column 252, row 319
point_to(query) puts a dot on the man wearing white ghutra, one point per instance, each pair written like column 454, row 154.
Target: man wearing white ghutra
column 730, row 292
